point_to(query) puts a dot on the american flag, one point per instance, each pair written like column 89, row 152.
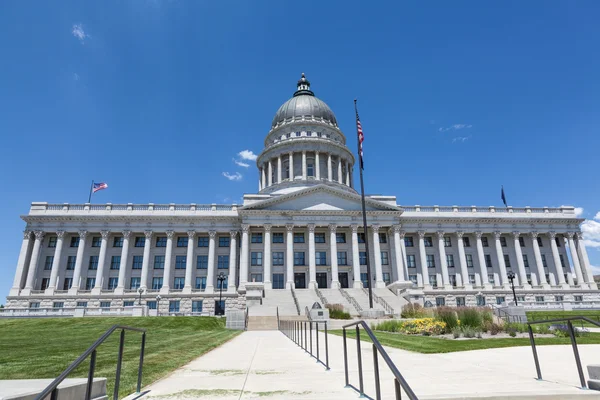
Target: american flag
column 361, row 138
column 99, row 186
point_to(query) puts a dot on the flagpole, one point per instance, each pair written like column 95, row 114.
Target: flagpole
column 91, row 188
column 366, row 232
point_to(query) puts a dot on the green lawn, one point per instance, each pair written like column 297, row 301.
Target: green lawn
column 541, row 315
column 429, row 345
column 43, row 348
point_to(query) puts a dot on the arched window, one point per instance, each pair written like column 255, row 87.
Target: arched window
column 310, row 167
column 286, row 169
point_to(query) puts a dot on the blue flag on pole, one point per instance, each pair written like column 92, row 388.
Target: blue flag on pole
column 503, row 197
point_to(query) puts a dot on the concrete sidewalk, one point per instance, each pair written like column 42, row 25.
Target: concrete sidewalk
column 267, row 365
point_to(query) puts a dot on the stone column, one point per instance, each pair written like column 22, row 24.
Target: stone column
column 501, row 263
column 168, row 272
column 60, row 235
column 189, row 264
column 210, row 273
column 21, row 264
column 379, row 283
column 347, row 173
column 278, row 178
column 312, row 267
column 78, row 263
column 585, row 261
column 329, row 168
column 423, row 261
column 263, row 177
column 404, row 258
column 291, row 165
column 267, row 258
column 443, row 261
column 356, row 258
column 575, row 258
column 304, row 172
column 462, row 260
column 33, row 263
column 556, row 260
column 520, row 263
column 538, row 262
column 340, row 171
column 289, row 256
column 101, row 262
column 401, row 270
column 120, row 289
column 335, row 282
column 481, row 260
column 146, row 260
column 270, row 172
column 244, row 258
column 233, row 262
column 317, row 166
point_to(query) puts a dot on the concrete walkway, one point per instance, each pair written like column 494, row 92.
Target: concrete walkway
column 267, row 365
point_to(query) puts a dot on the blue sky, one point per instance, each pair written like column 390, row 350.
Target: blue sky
column 158, row 98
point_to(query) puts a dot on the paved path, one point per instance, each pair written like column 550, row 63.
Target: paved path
column 267, row 365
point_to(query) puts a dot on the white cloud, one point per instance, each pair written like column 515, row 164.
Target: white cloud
column 597, row 217
column 595, row 269
column 247, row 155
column 75, row 76
column 79, row 33
column 591, row 233
column 233, row 177
column 455, row 127
column 460, row 139
column 578, row 211
column 240, row 163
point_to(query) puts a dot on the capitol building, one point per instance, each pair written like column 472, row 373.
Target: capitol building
column 298, row 240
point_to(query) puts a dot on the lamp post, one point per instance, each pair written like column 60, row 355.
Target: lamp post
column 140, row 291
column 511, row 278
column 158, row 305
column 221, row 278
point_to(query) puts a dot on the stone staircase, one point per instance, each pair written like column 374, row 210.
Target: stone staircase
column 363, row 299
column 274, row 299
column 262, row 323
column 306, row 298
column 334, row 296
column 396, row 302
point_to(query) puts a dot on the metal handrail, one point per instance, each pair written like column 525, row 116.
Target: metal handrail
column 52, row 388
column 321, row 296
column 295, row 300
column 301, row 333
column 307, row 312
column 351, row 300
column 381, row 301
column 246, row 319
column 399, row 381
column 573, row 343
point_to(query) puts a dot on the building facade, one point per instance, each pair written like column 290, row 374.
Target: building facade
column 301, row 231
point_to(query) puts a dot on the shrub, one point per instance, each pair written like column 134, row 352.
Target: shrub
column 470, row 317
column 456, row 332
column 512, row 333
column 336, row 314
column 469, row 332
column 448, row 316
column 414, row 311
column 336, row 307
column 516, row 327
column 388, row 326
column 495, row 328
column 487, row 315
column 543, row 329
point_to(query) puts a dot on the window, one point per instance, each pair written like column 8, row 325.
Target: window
column 480, row 301
column 200, row 282
column 460, row 302
column 502, row 241
column 341, row 257
column 386, row 278
column 278, row 258
column 256, row 258
column 224, row 241
column 112, row 283
column 93, row 265
column 430, row 261
column 428, row 241
column 469, row 258
column 137, row 262
column 96, row 241
column 500, row 300
column 382, row 238
column 557, row 240
column 544, row 261
column 34, row 304
column 578, row 299
column 202, row 241
column 115, row 262
column 223, row 262
column 547, row 277
column 488, row 261
column 562, row 261
column 75, row 241
column 52, row 241
column 278, row 237
column 118, row 241
column 151, row 305
column 45, row 283
column 491, row 279
column 466, row 242
column 202, row 262
column 319, row 238
column 452, row 279
column 182, row 241
column 278, row 281
column 257, row 237
column 197, row 306
column 68, row 283
column 256, row 278
column 71, row 262
column 507, row 261
column 157, row 283
column 82, row 304
column 174, row 306
column 225, row 283
column 58, row 304
column 89, row 283
column 127, row 303
column 140, row 241
column 440, row 301
column 559, row 298
column 105, row 304
column 363, row 257
column 539, row 299
column 298, row 237
column 539, row 240
column 447, row 241
column 364, row 278
column 299, row 258
column 450, row 260
column 161, row 241
column 310, row 169
column 472, row 279
column 525, row 261
column 484, row 241
column 408, row 241
column 413, row 279
column 410, row 260
column 528, row 278
column 179, row 282
column 159, row 262
column 134, row 283
column 180, row 262
column 361, row 237
column 340, row 237
column 48, row 263
column 433, row 281
column 521, row 298
column 521, row 241
column 384, row 258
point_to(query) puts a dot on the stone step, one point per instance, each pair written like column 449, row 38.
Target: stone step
column 73, row 388
column 262, row 323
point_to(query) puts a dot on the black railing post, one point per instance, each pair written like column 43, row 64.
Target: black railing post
column 310, row 330
column 535, row 355
column 317, row 335
column 305, row 339
column 376, row 371
column 398, row 391
column 119, row 361
column 358, row 353
column 141, row 366
column 90, row 381
column 54, row 395
column 326, row 348
column 345, row 357
column 576, row 354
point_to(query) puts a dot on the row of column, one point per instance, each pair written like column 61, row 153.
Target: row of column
column 268, row 178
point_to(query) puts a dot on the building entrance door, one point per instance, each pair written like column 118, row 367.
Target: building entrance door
column 343, row 278
column 300, row 280
column 322, row 280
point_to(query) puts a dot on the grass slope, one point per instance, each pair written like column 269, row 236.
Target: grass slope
column 542, row 315
column 43, row 348
column 430, row 345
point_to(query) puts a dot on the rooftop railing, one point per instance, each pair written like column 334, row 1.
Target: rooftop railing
column 491, row 209
column 130, row 207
